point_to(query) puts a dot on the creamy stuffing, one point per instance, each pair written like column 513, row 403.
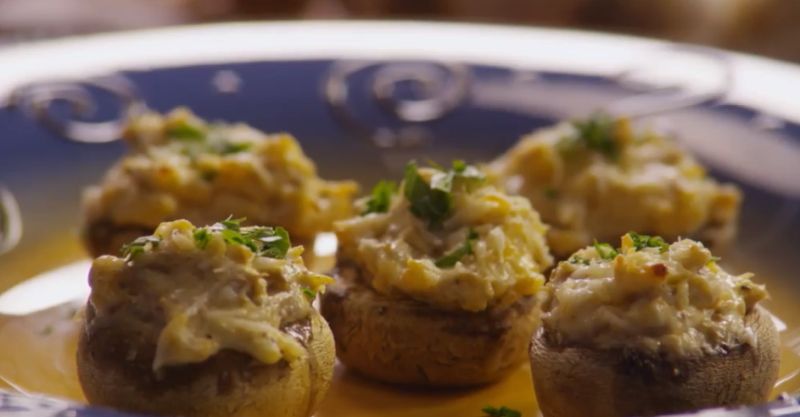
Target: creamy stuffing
column 597, row 179
column 649, row 295
column 447, row 238
column 196, row 291
column 183, row 167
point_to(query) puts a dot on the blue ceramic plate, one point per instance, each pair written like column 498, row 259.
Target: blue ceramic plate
column 363, row 98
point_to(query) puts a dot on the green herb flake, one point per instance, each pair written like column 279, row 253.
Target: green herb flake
column 451, row 259
column 500, row 411
column 597, row 133
column 443, row 181
column 434, row 202
column 139, row 246
column 381, row 197
column 272, row 242
column 309, row 293
column 186, row 131
column 645, row 241
column 425, row 202
column 462, row 170
column 275, row 241
column 47, row 331
column 201, row 237
column 605, row 250
column 232, row 148
column 575, row 259
column 233, row 224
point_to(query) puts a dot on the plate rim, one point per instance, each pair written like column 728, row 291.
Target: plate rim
column 760, row 83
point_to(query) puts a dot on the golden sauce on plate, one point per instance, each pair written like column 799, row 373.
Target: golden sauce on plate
column 37, row 354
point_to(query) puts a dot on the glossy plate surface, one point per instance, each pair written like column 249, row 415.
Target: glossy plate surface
column 363, row 98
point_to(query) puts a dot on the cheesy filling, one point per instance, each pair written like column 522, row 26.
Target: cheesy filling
column 469, row 248
column 182, row 167
column 196, row 291
column 597, row 179
column 671, row 299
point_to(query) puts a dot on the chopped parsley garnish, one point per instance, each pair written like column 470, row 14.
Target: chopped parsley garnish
column 434, row 202
column 645, row 241
column 463, row 170
column 139, row 245
column 443, row 181
column 597, row 133
column 230, row 148
column 272, row 242
column 198, row 139
column 500, row 411
column 381, row 197
column 426, row 202
column 186, row 131
column 233, row 224
column 605, row 250
column 309, row 293
column 201, row 237
column 575, row 259
column 275, row 241
column 451, row 259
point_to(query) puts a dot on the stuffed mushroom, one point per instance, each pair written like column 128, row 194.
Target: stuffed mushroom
column 597, row 179
column 206, row 322
column 180, row 166
column 436, row 280
column 650, row 329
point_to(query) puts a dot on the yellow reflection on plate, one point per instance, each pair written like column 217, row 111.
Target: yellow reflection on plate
column 37, row 354
column 41, row 359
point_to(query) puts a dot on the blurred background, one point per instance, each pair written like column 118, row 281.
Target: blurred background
column 764, row 27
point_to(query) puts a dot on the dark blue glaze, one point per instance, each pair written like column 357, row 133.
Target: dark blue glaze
column 47, row 173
